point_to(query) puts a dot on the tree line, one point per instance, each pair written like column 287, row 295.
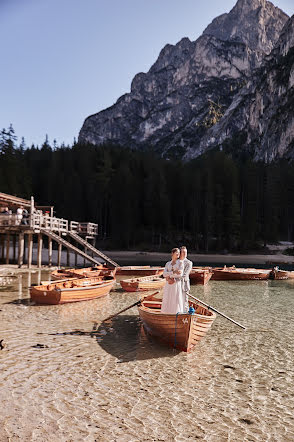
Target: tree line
column 220, row 201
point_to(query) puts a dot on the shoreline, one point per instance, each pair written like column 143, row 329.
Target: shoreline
column 136, row 257
column 200, row 259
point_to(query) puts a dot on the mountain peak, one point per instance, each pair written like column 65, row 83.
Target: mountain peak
column 189, row 88
column 257, row 23
column 250, row 4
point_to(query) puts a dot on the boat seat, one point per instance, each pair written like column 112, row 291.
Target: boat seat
column 152, row 302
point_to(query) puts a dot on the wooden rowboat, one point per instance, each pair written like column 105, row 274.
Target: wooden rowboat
column 60, row 274
column 142, row 284
column 181, row 331
column 200, row 275
column 93, row 272
column 86, row 272
column 239, row 274
column 139, row 270
column 278, row 274
column 71, row 290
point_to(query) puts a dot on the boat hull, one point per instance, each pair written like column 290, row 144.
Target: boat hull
column 200, row 276
column 86, row 272
column 143, row 284
column 61, row 295
column 139, row 270
column 279, row 275
column 60, row 274
column 235, row 274
column 182, row 331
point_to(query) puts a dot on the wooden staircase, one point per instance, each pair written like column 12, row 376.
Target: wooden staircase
column 89, row 246
column 68, row 245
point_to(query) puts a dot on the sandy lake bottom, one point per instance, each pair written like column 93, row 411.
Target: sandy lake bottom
column 60, row 384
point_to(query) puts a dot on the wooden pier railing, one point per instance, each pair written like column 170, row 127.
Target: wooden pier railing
column 16, row 228
column 86, row 229
column 36, row 221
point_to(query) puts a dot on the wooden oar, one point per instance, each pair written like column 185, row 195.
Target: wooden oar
column 216, row 311
column 130, row 306
column 123, row 310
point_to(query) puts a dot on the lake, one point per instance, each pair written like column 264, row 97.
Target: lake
column 60, row 383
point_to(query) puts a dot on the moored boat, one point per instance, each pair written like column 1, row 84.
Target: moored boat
column 144, row 283
column 72, row 290
column 60, row 274
column 86, row 272
column 239, row 274
column 200, row 275
column 181, row 331
column 291, row 274
column 278, row 274
column 90, row 272
column 139, row 270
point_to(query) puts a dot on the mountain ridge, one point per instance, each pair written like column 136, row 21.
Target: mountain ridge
column 263, row 110
column 191, row 85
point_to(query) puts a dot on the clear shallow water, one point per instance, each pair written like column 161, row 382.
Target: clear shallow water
column 59, row 383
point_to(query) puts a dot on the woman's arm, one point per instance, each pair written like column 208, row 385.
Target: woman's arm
column 178, row 270
column 166, row 272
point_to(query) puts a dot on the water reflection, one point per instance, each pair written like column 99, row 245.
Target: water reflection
column 19, row 281
column 6, row 283
column 39, row 277
column 266, row 292
column 207, row 290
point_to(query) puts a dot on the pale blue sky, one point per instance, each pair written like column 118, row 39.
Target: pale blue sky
column 63, row 60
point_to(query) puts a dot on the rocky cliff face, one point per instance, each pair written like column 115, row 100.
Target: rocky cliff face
column 174, row 106
column 263, row 111
column 257, row 23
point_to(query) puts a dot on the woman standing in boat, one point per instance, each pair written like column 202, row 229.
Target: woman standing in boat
column 173, row 301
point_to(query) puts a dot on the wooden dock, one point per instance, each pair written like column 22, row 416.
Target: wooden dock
column 21, row 235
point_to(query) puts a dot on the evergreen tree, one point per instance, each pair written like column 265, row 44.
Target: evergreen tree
column 219, row 201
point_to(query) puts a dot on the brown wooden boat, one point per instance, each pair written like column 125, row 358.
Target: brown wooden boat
column 144, row 283
column 239, row 274
column 90, row 272
column 200, row 275
column 291, row 274
column 181, row 331
column 139, row 270
column 60, row 274
column 278, row 274
column 72, row 290
column 86, row 272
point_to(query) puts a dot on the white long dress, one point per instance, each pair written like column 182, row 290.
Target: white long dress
column 173, row 298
